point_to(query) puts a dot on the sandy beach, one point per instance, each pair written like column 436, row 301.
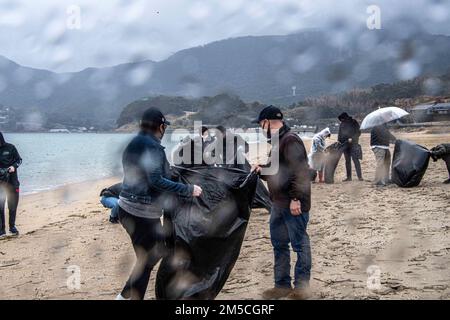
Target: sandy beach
column 403, row 233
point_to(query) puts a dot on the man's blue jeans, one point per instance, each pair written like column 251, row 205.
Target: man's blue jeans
column 284, row 229
column 111, row 203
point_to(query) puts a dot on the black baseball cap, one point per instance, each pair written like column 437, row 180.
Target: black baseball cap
column 269, row 113
column 154, row 116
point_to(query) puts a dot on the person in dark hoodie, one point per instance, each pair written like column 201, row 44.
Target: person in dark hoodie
column 349, row 133
column 10, row 160
column 290, row 192
column 146, row 191
column 380, row 139
column 442, row 151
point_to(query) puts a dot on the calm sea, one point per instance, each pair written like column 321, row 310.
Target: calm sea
column 51, row 160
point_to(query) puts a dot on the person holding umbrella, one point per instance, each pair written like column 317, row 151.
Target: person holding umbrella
column 380, row 138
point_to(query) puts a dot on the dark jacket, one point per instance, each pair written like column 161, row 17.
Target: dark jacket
column 292, row 181
column 349, row 129
column 441, row 151
column 147, row 172
column 113, row 191
column 9, row 156
column 380, row 136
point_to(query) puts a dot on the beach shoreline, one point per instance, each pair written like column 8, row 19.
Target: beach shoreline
column 353, row 227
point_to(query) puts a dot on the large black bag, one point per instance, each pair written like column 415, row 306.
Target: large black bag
column 333, row 154
column 409, row 164
column 209, row 231
column 262, row 197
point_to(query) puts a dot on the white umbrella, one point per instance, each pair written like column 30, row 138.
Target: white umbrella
column 381, row 116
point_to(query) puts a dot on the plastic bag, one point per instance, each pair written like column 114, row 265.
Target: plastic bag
column 209, row 233
column 409, row 164
column 333, row 155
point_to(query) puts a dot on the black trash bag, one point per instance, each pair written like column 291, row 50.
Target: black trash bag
column 333, row 154
column 409, row 164
column 262, row 197
column 208, row 230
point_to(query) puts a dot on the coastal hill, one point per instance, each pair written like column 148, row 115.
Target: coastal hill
column 255, row 68
column 224, row 109
column 230, row 110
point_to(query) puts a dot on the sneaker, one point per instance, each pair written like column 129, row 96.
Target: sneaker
column 300, row 294
column 347, row 180
column 14, row 231
column 121, row 297
column 113, row 219
column 447, row 181
column 276, row 293
column 2, row 234
column 361, row 179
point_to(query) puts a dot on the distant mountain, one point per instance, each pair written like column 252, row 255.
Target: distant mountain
column 261, row 68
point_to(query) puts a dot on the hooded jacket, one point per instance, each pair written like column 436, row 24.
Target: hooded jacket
column 9, row 156
column 292, row 181
column 318, row 141
column 316, row 156
column 348, row 129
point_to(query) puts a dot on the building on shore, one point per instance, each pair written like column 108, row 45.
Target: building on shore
column 431, row 112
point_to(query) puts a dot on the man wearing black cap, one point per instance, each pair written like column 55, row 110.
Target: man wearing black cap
column 145, row 187
column 290, row 191
column 348, row 135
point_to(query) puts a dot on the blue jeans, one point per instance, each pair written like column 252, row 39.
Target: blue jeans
column 284, row 229
column 111, row 203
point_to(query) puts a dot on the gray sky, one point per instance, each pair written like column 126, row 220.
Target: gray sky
column 35, row 33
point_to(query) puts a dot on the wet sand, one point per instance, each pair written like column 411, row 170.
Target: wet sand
column 403, row 233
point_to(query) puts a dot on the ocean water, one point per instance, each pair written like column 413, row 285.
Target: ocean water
column 51, row 160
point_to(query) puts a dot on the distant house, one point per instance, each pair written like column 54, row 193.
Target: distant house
column 431, row 112
column 59, row 131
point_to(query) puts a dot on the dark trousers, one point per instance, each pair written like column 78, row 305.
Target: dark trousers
column 147, row 237
column 284, row 229
column 10, row 194
column 350, row 155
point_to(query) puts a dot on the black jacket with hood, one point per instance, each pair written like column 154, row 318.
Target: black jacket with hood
column 9, row 156
column 348, row 129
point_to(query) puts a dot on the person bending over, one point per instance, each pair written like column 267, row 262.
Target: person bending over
column 380, row 138
column 317, row 156
column 442, row 151
column 109, row 198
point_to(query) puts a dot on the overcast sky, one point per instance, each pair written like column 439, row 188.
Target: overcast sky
column 35, row 33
